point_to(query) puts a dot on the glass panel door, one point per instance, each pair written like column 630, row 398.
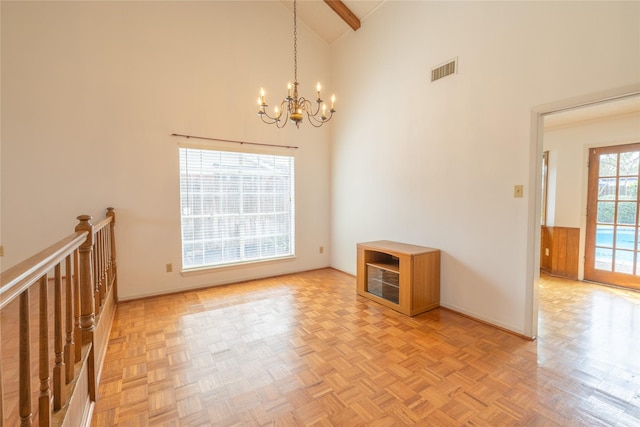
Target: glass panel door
column 611, row 250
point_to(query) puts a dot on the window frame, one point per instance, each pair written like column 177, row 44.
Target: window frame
column 242, row 259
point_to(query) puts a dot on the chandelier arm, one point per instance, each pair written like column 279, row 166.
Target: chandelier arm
column 313, row 115
column 321, row 121
column 314, row 121
column 267, row 121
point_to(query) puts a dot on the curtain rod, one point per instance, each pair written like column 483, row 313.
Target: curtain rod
column 235, row 142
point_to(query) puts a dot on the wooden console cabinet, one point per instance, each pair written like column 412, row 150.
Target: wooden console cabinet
column 403, row 277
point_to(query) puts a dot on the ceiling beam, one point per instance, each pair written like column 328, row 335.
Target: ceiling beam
column 345, row 13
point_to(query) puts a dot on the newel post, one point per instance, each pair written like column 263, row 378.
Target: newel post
column 112, row 239
column 87, row 308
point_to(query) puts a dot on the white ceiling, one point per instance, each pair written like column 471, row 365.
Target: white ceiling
column 318, row 16
column 627, row 105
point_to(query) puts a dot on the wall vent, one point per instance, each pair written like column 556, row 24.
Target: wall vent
column 444, row 70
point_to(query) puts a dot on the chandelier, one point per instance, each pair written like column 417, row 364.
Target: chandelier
column 293, row 107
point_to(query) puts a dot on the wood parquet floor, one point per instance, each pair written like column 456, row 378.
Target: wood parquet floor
column 304, row 349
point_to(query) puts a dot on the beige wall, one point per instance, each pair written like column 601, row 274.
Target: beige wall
column 435, row 163
column 91, row 92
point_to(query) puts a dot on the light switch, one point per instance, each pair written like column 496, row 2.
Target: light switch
column 518, row 190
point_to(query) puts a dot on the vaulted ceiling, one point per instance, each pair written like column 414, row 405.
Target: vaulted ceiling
column 324, row 17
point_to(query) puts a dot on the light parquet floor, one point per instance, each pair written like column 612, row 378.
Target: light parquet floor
column 304, row 349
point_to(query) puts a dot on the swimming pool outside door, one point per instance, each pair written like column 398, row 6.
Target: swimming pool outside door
column 612, row 247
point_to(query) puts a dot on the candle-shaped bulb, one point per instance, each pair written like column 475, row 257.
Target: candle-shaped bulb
column 262, row 96
column 318, row 87
column 277, row 111
column 289, row 90
column 261, row 91
column 333, row 100
column 324, row 110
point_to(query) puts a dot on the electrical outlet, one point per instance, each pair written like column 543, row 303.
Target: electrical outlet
column 518, row 190
column 321, row 249
column 169, row 268
column 546, row 251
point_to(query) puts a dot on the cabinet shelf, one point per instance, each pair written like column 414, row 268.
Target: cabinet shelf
column 403, row 277
column 392, row 267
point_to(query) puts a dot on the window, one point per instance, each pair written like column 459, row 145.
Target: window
column 235, row 207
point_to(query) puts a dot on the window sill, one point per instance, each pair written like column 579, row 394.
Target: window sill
column 215, row 268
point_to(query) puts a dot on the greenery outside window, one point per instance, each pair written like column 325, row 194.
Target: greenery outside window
column 235, row 207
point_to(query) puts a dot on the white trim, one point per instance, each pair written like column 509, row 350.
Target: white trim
column 236, row 265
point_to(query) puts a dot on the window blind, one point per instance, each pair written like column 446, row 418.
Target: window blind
column 235, row 207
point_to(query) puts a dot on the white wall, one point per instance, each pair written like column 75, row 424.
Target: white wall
column 91, row 92
column 434, row 164
column 568, row 150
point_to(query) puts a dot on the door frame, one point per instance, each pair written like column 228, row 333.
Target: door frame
column 535, row 195
column 596, row 275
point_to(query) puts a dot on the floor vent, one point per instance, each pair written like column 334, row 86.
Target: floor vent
column 444, row 70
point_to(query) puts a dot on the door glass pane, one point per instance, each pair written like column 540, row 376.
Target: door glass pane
column 626, row 237
column 604, row 235
column 627, row 213
column 624, row 262
column 628, row 188
column 603, row 259
column 607, row 188
column 605, row 212
column 608, row 163
column 629, row 163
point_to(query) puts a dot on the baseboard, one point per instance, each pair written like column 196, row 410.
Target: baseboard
column 493, row 325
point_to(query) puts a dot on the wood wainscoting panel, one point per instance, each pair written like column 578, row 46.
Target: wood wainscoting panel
column 559, row 251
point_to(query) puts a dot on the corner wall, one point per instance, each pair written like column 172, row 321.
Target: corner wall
column 91, row 92
column 435, row 164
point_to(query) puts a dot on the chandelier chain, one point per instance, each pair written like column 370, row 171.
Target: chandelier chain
column 295, row 42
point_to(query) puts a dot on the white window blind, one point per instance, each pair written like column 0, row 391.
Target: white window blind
column 236, row 207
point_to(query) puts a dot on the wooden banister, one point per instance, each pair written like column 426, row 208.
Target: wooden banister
column 85, row 261
column 21, row 276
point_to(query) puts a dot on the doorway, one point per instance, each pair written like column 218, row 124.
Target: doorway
column 540, row 115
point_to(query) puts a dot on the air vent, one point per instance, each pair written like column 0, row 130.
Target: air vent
column 444, row 70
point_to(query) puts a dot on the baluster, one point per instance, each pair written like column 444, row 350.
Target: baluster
column 44, row 401
column 77, row 329
column 103, row 282
column 25, row 361
column 1, row 392
column 112, row 244
column 109, row 259
column 96, row 278
column 69, row 345
column 58, row 367
column 87, row 309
